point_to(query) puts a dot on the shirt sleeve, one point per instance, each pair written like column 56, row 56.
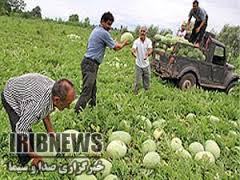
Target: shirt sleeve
column 109, row 40
column 190, row 14
column 29, row 115
column 202, row 14
column 149, row 44
column 134, row 46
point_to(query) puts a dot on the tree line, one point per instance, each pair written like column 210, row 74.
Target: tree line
column 229, row 35
column 17, row 8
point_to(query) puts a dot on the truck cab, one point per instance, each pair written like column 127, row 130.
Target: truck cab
column 212, row 72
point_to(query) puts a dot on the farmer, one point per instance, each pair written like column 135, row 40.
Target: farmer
column 29, row 98
column 99, row 39
column 141, row 50
column 200, row 23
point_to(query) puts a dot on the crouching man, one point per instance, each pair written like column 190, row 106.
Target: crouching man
column 30, row 98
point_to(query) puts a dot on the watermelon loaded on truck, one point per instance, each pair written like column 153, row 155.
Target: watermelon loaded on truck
column 176, row 59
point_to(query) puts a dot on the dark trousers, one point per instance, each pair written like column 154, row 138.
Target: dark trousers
column 89, row 69
column 13, row 117
column 197, row 37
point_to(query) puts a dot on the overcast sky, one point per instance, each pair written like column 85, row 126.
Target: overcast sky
column 162, row 13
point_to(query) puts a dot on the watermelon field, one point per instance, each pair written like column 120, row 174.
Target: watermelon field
column 197, row 115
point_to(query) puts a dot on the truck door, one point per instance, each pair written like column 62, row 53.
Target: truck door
column 205, row 69
column 218, row 66
column 218, row 74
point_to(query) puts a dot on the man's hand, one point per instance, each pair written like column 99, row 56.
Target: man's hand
column 134, row 52
column 188, row 25
column 36, row 161
column 126, row 42
column 52, row 135
column 148, row 53
column 201, row 25
column 198, row 29
column 120, row 45
column 146, row 56
column 48, row 125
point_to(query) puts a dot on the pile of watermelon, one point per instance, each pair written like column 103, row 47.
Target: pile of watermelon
column 178, row 46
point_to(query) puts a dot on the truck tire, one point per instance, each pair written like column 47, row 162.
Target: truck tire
column 187, row 81
column 230, row 87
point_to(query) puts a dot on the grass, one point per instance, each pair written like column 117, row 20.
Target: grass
column 44, row 47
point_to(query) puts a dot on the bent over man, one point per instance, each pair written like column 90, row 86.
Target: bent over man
column 30, row 98
column 200, row 23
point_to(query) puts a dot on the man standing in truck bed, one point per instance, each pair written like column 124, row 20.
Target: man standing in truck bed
column 200, row 23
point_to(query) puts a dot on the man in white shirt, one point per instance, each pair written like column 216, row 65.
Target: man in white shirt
column 182, row 32
column 141, row 50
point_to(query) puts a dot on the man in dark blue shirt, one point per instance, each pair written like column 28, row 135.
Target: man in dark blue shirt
column 200, row 23
column 99, row 39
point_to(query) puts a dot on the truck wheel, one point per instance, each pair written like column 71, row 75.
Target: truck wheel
column 187, row 81
column 231, row 87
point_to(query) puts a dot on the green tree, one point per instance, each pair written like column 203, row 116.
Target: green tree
column 17, row 5
column 164, row 32
column 123, row 29
column 36, row 12
column 86, row 22
column 5, row 7
column 73, row 18
column 230, row 36
column 136, row 31
column 152, row 30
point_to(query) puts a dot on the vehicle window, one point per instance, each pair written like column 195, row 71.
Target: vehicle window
column 219, row 51
column 218, row 57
